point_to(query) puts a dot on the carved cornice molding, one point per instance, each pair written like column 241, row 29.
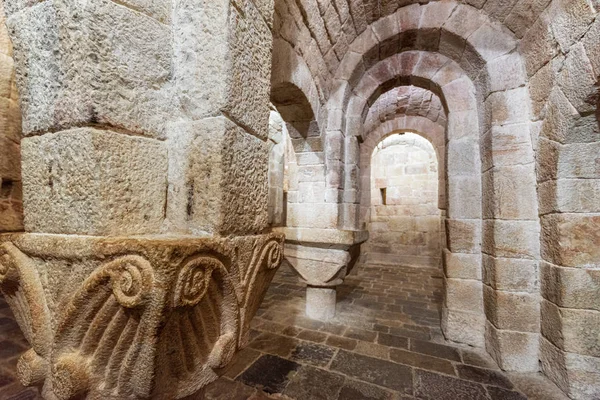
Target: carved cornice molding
column 133, row 317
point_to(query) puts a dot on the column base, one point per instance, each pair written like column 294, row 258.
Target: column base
column 320, row 302
column 139, row 317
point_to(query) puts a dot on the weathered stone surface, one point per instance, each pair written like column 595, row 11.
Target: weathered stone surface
column 515, row 239
column 511, row 274
column 145, row 292
column 94, row 182
column 464, row 295
column 569, row 239
column 218, row 177
column 91, row 62
column 571, row 330
column 463, row 327
column 571, row 287
column 575, row 374
column 513, row 351
column 512, row 311
column 464, row 266
column 379, row 372
column 464, row 236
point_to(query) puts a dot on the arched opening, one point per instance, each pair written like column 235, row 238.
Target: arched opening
column 405, row 221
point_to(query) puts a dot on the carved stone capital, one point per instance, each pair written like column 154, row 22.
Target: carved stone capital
column 322, row 257
column 133, row 317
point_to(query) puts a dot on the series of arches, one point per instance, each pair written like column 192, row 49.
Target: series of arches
column 480, row 71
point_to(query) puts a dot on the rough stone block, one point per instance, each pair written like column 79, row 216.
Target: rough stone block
column 513, row 239
column 464, row 197
column 464, row 236
column 491, row 41
column 511, row 274
column 218, row 178
column 513, row 351
column 512, row 311
column 538, row 46
column 571, row 330
column 578, row 160
column 575, row 374
column 571, row 240
column 93, row 182
column 577, row 80
column 460, row 95
column 506, row 72
column 463, row 266
column 510, row 193
column 463, row 327
column 571, row 287
column 510, row 106
column 463, row 157
column 464, row 295
column 312, row 215
column 569, row 196
column 230, row 69
column 508, row 145
column 569, row 20
column 463, row 124
column 91, row 62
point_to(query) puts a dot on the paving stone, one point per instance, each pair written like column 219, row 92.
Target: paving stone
column 482, row 375
column 291, row 331
column 422, row 361
column 312, row 383
column 409, row 333
column 274, row 344
column 393, row 341
column 269, row 373
column 222, row 387
column 497, row 393
column 242, row 360
column 380, row 372
column 435, row 349
column 342, row 342
column 334, row 329
column 372, row 350
column 360, row 334
column 354, row 390
column 312, row 336
column 431, row 386
column 314, row 354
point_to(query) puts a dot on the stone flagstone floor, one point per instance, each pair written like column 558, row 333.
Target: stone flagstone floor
column 385, row 343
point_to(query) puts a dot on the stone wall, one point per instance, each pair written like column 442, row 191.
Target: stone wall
column 405, row 226
column 562, row 59
column 11, row 208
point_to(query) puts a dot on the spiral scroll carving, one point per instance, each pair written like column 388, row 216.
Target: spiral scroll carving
column 131, row 279
column 272, row 254
column 194, row 279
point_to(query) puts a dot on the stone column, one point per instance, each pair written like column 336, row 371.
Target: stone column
column 11, row 208
column 145, row 188
column 323, row 258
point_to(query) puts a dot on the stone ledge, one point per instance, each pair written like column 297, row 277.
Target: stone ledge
column 325, row 236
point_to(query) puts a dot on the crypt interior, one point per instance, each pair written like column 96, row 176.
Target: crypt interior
column 300, row 199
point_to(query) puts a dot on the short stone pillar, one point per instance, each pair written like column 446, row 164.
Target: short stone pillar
column 320, row 302
column 323, row 258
